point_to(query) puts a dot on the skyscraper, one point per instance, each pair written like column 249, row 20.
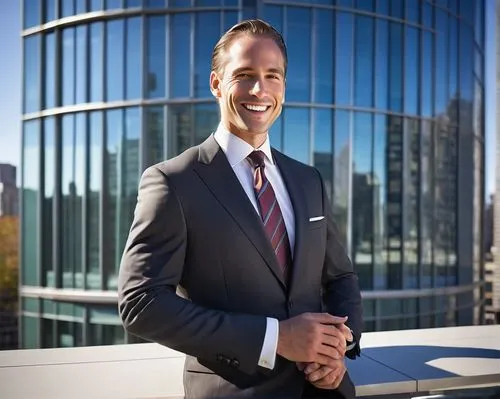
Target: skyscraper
column 385, row 98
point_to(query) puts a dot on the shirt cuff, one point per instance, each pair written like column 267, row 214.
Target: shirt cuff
column 270, row 345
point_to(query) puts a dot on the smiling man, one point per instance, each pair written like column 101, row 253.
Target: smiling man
column 233, row 257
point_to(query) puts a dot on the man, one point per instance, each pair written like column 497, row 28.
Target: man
column 233, row 256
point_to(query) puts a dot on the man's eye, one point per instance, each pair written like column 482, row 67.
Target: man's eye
column 243, row 76
column 274, row 76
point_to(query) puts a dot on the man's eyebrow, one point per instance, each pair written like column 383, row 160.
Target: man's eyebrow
column 237, row 71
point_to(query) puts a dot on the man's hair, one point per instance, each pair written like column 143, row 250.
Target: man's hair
column 254, row 27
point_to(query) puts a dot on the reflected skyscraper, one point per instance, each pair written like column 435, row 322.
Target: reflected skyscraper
column 385, row 98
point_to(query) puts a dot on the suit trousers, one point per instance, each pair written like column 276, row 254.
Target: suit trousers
column 345, row 390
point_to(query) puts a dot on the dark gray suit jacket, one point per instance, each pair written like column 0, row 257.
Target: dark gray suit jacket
column 199, row 275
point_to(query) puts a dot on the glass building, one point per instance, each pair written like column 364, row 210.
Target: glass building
column 384, row 97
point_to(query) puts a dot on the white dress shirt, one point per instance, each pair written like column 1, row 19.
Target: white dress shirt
column 236, row 151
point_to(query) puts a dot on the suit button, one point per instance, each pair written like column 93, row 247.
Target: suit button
column 227, row 361
column 220, row 358
column 235, row 363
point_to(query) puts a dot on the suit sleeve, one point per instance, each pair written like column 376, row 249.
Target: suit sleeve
column 150, row 270
column 341, row 293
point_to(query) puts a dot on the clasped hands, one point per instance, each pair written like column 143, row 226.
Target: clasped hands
column 317, row 343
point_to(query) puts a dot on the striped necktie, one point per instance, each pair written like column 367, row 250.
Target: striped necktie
column 270, row 212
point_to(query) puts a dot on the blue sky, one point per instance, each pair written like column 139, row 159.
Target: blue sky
column 10, row 87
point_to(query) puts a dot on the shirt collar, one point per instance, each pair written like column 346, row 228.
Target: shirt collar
column 237, row 149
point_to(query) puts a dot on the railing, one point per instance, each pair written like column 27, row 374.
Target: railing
column 393, row 364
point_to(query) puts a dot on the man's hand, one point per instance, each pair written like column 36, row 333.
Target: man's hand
column 312, row 338
column 324, row 377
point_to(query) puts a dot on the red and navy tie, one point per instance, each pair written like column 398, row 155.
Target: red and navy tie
column 270, row 212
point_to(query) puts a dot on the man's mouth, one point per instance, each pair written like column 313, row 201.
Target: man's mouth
column 256, row 108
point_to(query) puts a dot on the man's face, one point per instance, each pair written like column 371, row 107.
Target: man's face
column 250, row 87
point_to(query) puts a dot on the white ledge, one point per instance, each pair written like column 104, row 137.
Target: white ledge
column 395, row 362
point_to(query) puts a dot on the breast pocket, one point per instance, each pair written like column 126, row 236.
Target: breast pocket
column 317, row 224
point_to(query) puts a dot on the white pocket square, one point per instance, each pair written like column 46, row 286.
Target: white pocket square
column 316, row 219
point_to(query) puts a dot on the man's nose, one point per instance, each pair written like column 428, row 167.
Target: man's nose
column 258, row 89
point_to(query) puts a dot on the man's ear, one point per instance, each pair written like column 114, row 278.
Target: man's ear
column 215, row 84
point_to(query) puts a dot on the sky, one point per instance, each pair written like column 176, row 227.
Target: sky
column 10, row 87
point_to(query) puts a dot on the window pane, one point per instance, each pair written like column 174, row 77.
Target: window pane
column 274, row 16
column 48, row 333
column 68, row 8
column 95, row 5
column 81, row 64
column 453, row 59
column 68, row 66
column 31, row 185
column 427, row 205
column 230, row 19
column 296, row 138
column 362, row 199
column 50, row 10
column 114, row 62
column 106, row 334
column 325, row 56
column 154, row 122
column 49, row 156
column 113, row 171
column 156, row 65
column 206, row 119
column 381, row 64
column 363, row 75
column 367, row 5
column 31, row 74
column 78, row 185
column 342, row 146
column 411, row 172
column 397, row 9
column 180, row 126
column 31, row 13
column 276, row 134
column 133, row 54
column 30, row 330
column 479, row 24
column 383, row 7
column 441, row 66
column 427, row 11
column 207, row 31
column 81, row 6
column 50, row 71
column 95, row 62
column 180, row 45
column 130, row 173
column 73, row 147
column 133, row 3
column 344, row 54
column 112, row 4
column 380, row 163
column 154, row 3
column 466, row 63
column 69, row 334
column 299, row 54
column 94, row 191
column 412, row 51
column 412, row 10
column 427, row 75
column 394, row 199
column 323, row 157
column 396, row 67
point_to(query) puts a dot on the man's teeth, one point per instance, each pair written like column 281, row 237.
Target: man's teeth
column 259, row 108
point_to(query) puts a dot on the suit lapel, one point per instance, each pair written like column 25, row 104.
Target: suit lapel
column 216, row 172
column 298, row 198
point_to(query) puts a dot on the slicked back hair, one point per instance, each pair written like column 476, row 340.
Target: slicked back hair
column 253, row 27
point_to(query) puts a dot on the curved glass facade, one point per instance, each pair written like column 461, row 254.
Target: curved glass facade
column 385, row 98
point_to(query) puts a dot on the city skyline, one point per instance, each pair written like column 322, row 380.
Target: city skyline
column 10, row 95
